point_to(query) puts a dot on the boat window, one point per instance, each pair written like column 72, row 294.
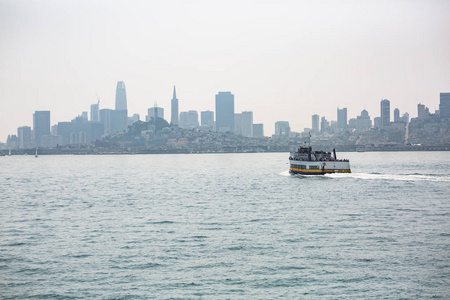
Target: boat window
column 314, row 167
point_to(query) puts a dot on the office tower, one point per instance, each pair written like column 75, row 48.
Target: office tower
column 189, row 119
column 80, row 130
column 84, row 115
column 121, row 96
column 238, row 123
column 94, row 112
column 363, row 121
column 324, row 124
column 24, row 136
column 282, row 128
column 113, row 120
column 315, row 123
column 422, row 111
column 377, row 122
column 444, row 105
column 352, row 123
column 133, row 119
column 224, row 111
column 41, row 126
column 342, row 118
column 174, row 109
column 396, row 115
column 153, row 112
column 207, row 118
column 258, row 130
column 405, row 118
column 385, row 109
column 247, row 123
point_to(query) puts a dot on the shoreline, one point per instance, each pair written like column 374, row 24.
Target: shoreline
column 279, row 149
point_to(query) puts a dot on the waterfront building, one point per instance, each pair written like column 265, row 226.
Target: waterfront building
column 282, row 128
column 342, row 118
column 385, row 110
column 247, row 123
column 94, row 112
column 174, row 109
column 12, row 142
column 444, row 105
column 121, row 96
column 315, row 123
column 51, row 141
column 224, row 111
column 81, row 131
column 24, row 136
column 41, row 126
column 258, row 130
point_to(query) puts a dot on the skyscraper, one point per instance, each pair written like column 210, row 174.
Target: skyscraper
column 315, row 123
column 174, row 109
column 189, row 119
column 121, row 96
column 155, row 112
column 207, row 118
column 363, row 121
column 258, row 130
column 238, row 123
column 342, row 118
column 247, row 123
column 119, row 117
column 41, row 126
column 224, row 111
column 24, row 135
column 385, row 107
column 444, row 105
column 422, row 111
column 282, row 128
column 396, row 115
column 94, row 112
column 324, row 124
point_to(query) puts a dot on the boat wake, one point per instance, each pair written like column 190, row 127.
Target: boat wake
column 397, row 177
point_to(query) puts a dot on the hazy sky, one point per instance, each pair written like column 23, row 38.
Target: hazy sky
column 283, row 60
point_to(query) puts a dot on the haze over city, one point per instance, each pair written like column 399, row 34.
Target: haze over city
column 283, row 60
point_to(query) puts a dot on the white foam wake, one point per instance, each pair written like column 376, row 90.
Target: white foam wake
column 399, row 177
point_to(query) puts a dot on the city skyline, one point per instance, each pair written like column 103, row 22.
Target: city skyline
column 110, row 117
column 278, row 59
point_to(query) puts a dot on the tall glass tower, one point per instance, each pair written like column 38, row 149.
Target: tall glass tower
column 224, row 112
column 121, row 96
column 385, row 112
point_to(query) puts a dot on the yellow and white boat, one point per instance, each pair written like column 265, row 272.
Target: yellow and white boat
column 308, row 162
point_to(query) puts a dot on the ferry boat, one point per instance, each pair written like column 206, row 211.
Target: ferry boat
column 305, row 161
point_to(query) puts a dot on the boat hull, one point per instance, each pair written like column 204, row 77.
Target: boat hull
column 319, row 168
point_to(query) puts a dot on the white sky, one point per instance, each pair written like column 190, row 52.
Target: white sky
column 283, row 60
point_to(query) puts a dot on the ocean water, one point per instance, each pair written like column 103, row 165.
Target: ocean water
column 224, row 226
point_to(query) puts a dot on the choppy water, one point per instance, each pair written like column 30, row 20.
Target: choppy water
column 224, row 226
